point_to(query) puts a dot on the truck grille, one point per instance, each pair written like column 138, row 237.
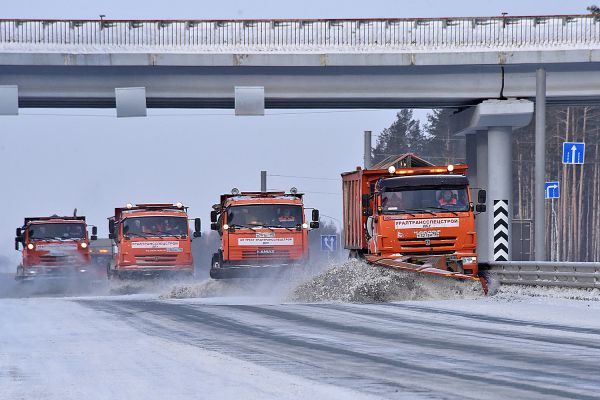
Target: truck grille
column 271, row 254
column 156, row 259
column 439, row 245
column 58, row 260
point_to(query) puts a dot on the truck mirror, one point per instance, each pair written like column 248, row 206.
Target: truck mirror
column 214, row 226
column 94, row 230
column 365, row 200
column 197, row 234
column 197, row 225
column 16, row 244
column 111, row 236
column 213, row 216
column 314, row 224
column 480, row 208
column 19, row 232
column 93, row 237
column 481, row 196
column 315, row 215
column 111, row 226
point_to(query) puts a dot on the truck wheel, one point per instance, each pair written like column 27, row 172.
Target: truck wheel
column 20, row 274
column 355, row 255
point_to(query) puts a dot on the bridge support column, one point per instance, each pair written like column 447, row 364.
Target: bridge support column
column 481, row 221
column 500, row 194
column 492, row 122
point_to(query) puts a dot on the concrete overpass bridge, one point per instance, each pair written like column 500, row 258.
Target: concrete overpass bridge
column 375, row 63
column 379, row 63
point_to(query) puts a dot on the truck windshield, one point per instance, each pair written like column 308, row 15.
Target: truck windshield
column 271, row 215
column 155, row 226
column 432, row 200
column 56, row 231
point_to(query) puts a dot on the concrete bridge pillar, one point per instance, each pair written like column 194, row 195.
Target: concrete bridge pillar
column 492, row 123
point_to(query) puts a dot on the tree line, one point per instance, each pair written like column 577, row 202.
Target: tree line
column 573, row 221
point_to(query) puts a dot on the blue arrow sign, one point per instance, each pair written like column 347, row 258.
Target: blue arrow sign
column 573, row 153
column 329, row 243
column 552, row 190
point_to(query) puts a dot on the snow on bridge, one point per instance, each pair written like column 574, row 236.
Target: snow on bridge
column 305, row 36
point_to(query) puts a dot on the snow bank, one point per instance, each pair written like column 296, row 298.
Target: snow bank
column 518, row 293
column 357, row 282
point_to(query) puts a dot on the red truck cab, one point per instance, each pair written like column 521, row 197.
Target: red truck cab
column 54, row 247
column 261, row 233
column 151, row 240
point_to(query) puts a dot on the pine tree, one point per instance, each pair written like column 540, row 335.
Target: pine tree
column 403, row 136
column 442, row 146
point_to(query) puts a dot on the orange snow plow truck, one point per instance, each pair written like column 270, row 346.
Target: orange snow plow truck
column 419, row 219
column 262, row 234
column 55, row 247
column 151, row 240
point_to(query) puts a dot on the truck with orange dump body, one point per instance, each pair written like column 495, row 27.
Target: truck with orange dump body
column 418, row 219
column 55, row 247
column 151, row 240
column 262, row 233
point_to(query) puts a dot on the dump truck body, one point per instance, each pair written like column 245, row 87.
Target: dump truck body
column 151, row 240
column 54, row 247
column 261, row 233
column 415, row 218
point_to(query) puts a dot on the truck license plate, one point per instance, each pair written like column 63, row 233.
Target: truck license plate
column 428, row 234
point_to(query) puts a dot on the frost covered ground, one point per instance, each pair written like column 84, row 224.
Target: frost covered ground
column 229, row 340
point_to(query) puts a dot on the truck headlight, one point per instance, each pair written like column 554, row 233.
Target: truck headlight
column 30, row 246
column 83, row 245
column 469, row 260
column 225, row 227
column 305, row 226
column 392, row 169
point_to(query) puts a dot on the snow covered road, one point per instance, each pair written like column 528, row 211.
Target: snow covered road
column 140, row 347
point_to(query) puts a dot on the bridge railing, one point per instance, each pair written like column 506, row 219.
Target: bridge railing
column 304, row 35
column 547, row 273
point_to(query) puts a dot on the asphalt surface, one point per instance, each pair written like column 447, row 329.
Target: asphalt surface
column 398, row 350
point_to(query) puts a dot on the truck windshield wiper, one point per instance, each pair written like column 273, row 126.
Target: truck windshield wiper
column 284, row 227
column 137, row 234
column 418, row 210
column 242, row 226
column 402, row 212
column 166, row 234
column 443, row 209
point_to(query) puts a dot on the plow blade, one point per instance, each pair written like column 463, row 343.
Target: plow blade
column 435, row 265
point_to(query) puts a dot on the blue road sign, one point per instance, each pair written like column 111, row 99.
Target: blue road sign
column 329, row 242
column 552, row 190
column 573, row 153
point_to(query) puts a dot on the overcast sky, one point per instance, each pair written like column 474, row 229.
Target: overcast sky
column 55, row 160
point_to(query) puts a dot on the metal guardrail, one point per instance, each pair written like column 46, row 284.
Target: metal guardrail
column 305, row 35
column 548, row 273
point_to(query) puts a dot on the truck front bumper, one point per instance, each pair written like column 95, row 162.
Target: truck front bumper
column 137, row 271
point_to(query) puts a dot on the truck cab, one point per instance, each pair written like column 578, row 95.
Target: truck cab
column 413, row 214
column 54, row 247
column 151, row 240
column 261, row 233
